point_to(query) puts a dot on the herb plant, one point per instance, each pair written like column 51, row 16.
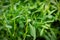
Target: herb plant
column 29, row 19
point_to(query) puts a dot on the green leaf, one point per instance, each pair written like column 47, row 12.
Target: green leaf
column 42, row 31
column 32, row 31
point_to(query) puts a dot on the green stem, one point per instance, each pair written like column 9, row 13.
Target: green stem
column 26, row 27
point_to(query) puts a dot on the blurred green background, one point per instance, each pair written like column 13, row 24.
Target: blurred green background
column 29, row 19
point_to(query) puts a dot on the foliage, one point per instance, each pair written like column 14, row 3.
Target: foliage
column 29, row 19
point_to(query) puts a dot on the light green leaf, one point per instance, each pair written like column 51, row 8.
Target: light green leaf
column 32, row 31
column 42, row 31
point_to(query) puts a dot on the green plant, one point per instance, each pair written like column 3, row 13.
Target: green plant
column 29, row 19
